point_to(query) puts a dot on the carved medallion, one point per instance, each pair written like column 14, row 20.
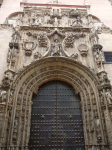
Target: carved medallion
column 28, row 46
column 83, row 48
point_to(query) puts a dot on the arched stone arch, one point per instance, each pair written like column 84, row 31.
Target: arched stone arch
column 27, row 82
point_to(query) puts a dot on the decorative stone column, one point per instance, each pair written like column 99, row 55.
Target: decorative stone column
column 106, row 103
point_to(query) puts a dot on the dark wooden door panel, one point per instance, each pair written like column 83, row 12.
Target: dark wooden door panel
column 56, row 118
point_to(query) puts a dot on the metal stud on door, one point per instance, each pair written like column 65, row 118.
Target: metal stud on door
column 56, row 121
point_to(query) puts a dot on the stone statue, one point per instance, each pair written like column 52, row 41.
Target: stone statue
column 93, row 36
column 15, row 38
column 98, row 56
column 3, row 96
column 108, row 96
column 12, row 53
column 56, row 48
column 9, row 55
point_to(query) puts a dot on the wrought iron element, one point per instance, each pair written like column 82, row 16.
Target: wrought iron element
column 108, row 57
column 56, row 119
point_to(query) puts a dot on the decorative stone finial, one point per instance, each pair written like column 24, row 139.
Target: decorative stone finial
column 85, row 2
column 55, row 1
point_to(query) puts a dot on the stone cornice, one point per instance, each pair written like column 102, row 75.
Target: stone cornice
column 55, row 5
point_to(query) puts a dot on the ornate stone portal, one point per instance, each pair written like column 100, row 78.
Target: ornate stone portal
column 51, row 43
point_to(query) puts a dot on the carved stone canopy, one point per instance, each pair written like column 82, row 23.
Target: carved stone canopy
column 74, row 13
column 97, row 46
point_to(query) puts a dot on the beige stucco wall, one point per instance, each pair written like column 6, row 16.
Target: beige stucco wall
column 105, row 39
column 5, row 37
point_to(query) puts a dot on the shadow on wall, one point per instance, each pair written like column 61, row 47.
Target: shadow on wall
column 110, row 1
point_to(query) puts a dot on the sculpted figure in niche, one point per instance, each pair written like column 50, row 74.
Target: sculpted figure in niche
column 98, row 56
column 108, row 96
column 12, row 53
column 56, row 47
column 3, row 96
column 15, row 38
column 94, row 37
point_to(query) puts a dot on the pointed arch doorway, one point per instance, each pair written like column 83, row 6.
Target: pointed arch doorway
column 56, row 118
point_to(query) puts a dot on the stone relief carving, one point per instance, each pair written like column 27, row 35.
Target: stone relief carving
column 94, row 37
column 12, row 55
column 15, row 37
column 98, row 128
column 37, row 55
column 69, row 40
column 108, row 96
column 28, row 46
column 34, row 20
column 56, row 47
column 8, row 78
column 3, row 97
column 51, row 21
column 99, row 58
column 106, row 81
column 43, row 40
column 13, row 50
column 83, row 48
column 76, row 22
column 20, row 19
column 74, row 56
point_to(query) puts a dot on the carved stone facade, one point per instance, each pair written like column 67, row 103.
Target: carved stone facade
column 55, row 43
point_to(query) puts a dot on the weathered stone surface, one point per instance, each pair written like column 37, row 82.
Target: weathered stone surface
column 54, row 43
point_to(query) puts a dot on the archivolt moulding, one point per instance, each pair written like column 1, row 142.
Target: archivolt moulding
column 31, row 77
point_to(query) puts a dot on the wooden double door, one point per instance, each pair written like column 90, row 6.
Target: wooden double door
column 56, row 118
